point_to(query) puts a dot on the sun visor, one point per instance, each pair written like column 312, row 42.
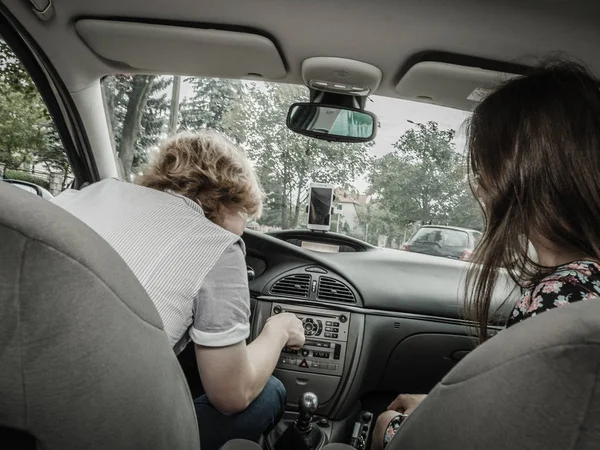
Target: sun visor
column 450, row 85
column 183, row 50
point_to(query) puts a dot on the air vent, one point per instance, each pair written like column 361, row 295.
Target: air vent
column 292, row 286
column 334, row 291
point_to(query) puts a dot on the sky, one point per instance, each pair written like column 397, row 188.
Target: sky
column 393, row 115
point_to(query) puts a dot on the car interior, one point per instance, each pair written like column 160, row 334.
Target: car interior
column 83, row 361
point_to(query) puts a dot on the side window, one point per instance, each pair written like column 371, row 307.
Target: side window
column 30, row 147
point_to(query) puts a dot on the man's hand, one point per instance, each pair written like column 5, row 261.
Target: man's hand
column 234, row 376
column 406, row 403
column 290, row 326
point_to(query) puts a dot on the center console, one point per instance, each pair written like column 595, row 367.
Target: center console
column 329, row 356
column 323, row 368
column 326, row 332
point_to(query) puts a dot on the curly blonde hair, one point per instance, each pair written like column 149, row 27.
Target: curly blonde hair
column 208, row 168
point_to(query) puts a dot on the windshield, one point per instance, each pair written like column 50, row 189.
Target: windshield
column 412, row 174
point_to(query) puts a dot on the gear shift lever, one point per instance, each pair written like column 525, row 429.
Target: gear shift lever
column 301, row 435
column 307, row 406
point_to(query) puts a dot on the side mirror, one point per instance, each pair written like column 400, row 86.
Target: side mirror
column 31, row 188
column 332, row 123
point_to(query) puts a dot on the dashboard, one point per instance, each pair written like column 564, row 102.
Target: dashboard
column 375, row 320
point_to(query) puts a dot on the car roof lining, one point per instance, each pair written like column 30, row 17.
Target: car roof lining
column 389, row 35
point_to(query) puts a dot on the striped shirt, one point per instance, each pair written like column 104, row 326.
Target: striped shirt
column 193, row 270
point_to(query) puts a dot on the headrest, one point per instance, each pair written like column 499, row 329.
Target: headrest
column 85, row 362
column 534, row 386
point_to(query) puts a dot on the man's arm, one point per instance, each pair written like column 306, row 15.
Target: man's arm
column 234, row 376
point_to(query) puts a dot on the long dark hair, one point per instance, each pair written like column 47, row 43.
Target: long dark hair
column 534, row 156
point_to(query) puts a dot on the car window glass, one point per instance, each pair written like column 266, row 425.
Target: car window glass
column 443, row 237
column 25, row 188
column 412, row 174
column 455, row 238
column 30, row 146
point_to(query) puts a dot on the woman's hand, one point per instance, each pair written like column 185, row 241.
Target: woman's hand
column 406, row 403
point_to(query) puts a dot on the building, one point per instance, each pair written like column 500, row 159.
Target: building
column 348, row 208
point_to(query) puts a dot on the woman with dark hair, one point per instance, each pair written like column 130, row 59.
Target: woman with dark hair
column 534, row 160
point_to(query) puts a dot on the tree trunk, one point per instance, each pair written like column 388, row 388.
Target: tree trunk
column 140, row 92
column 301, row 183
column 284, row 208
column 290, row 208
column 285, row 192
column 174, row 117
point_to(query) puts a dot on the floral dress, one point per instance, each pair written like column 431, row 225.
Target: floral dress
column 393, row 428
column 569, row 283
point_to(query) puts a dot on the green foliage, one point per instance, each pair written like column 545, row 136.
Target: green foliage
column 28, row 177
column 287, row 162
column 422, row 180
column 23, row 126
column 138, row 112
column 28, row 135
column 211, row 102
column 14, row 74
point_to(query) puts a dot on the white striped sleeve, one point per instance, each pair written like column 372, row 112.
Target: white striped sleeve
column 222, row 304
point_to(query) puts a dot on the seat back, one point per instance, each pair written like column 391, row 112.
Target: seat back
column 533, row 386
column 84, row 362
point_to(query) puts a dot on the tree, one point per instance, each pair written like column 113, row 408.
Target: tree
column 466, row 212
column 28, row 133
column 24, row 126
column 155, row 119
column 211, row 102
column 381, row 222
column 138, row 114
column 423, row 180
column 53, row 157
column 287, row 162
column 13, row 72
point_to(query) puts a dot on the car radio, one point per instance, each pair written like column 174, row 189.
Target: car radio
column 326, row 334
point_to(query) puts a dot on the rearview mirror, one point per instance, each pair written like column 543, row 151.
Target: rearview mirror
column 332, row 123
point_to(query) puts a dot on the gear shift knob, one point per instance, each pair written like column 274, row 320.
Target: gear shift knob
column 307, row 406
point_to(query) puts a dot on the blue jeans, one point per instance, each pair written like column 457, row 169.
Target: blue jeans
column 259, row 418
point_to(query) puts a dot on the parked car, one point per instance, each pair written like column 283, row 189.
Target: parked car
column 448, row 242
column 32, row 188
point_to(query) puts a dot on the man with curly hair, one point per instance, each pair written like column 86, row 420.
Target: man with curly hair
column 178, row 228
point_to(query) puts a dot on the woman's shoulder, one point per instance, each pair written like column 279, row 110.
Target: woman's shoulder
column 582, row 276
column 570, row 283
column 574, row 271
